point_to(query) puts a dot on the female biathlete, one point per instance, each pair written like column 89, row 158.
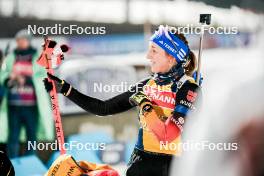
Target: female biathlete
column 163, row 100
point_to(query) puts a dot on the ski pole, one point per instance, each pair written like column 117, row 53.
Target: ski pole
column 205, row 19
column 46, row 60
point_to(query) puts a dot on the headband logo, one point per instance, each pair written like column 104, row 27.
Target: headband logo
column 171, row 44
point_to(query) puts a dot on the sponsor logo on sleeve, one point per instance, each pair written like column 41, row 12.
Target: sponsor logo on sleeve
column 191, row 96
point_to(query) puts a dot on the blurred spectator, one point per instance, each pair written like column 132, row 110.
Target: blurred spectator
column 24, row 92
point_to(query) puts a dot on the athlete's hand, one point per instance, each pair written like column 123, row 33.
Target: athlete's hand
column 138, row 98
column 142, row 101
column 60, row 85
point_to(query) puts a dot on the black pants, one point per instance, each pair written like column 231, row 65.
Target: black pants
column 148, row 164
column 19, row 116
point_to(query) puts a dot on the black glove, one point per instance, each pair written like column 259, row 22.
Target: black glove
column 141, row 100
column 60, row 85
column 138, row 98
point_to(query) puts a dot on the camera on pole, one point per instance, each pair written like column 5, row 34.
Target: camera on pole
column 205, row 19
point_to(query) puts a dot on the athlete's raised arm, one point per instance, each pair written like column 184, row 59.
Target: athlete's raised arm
column 117, row 104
